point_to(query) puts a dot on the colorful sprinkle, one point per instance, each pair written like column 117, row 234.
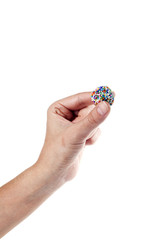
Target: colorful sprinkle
column 102, row 93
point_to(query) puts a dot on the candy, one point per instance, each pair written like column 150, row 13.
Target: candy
column 102, row 93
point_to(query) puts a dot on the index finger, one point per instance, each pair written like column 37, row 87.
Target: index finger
column 76, row 101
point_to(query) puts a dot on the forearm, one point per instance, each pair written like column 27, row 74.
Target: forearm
column 22, row 195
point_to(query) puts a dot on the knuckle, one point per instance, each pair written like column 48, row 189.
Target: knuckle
column 94, row 137
column 91, row 119
column 48, row 109
column 92, row 140
column 51, row 107
column 80, row 101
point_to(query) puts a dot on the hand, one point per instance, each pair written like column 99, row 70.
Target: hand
column 72, row 123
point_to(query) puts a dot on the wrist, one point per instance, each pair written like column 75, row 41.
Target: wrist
column 47, row 166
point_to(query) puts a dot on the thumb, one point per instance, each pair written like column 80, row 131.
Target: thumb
column 84, row 127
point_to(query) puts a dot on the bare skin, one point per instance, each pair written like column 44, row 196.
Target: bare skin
column 72, row 123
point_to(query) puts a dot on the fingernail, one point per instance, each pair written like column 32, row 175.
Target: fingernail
column 102, row 108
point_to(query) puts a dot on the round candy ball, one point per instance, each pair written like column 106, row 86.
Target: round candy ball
column 102, row 93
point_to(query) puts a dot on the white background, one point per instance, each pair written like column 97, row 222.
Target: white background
column 53, row 49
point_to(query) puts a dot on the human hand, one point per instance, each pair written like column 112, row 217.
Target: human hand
column 72, row 123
